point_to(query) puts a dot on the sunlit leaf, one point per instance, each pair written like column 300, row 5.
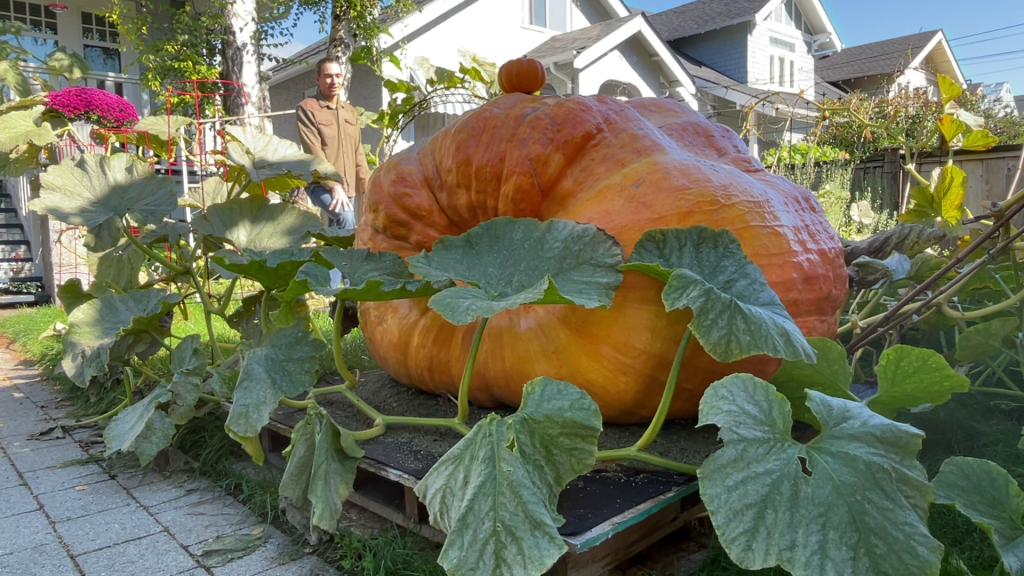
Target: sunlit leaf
column 508, row 262
column 14, row 78
column 119, row 267
column 72, row 295
column 21, row 127
column 277, row 163
column 68, row 64
column 374, row 277
column 909, row 377
column 951, row 127
column 253, row 223
column 735, row 312
column 949, row 88
column 272, row 269
column 777, row 502
column 89, row 189
column 979, row 140
column 495, row 493
column 830, row 375
column 141, row 428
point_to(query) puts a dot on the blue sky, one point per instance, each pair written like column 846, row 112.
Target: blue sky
column 863, row 21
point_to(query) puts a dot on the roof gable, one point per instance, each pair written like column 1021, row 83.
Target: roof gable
column 881, row 58
column 703, row 15
column 578, row 40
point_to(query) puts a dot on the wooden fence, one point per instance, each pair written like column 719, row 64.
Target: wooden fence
column 989, row 175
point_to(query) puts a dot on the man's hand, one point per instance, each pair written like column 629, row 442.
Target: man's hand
column 339, row 201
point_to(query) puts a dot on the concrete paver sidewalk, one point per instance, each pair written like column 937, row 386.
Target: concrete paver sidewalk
column 89, row 519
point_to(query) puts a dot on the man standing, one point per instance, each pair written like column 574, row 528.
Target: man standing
column 329, row 128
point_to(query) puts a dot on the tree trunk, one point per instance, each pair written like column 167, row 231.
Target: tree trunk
column 242, row 64
column 341, row 42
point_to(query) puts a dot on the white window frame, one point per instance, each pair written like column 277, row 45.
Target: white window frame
column 528, row 20
column 11, row 17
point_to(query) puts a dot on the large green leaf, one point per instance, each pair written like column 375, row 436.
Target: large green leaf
column 991, row 497
column 89, row 189
column 19, row 161
column 294, row 488
column 72, row 295
column 735, row 312
column 105, row 235
column 14, row 78
column 949, row 89
column 21, row 127
column 943, row 202
column 854, row 500
column 830, row 375
column 867, row 272
column 311, row 276
column 96, row 324
column 141, row 428
column 981, row 341
column 374, row 277
column 951, row 127
column 253, row 223
column 334, row 470
column 272, row 269
column 155, row 133
column 340, row 237
column 68, row 64
column 495, row 493
column 119, row 267
column 166, row 232
column 284, row 364
column 909, row 377
column 979, row 140
column 508, row 262
column 278, row 163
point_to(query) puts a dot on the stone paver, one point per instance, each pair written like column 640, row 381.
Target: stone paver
column 110, row 519
column 84, row 501
column 16, row 500
column 88, row 533
column 45, row 560
column 156, row 555
column 25, row 531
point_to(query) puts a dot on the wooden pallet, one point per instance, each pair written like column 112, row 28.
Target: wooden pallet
column 607, row 541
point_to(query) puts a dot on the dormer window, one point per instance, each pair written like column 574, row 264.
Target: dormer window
column 550, row 14
column 788, row 14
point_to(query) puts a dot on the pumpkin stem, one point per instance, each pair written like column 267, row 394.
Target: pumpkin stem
column 635, row 455
column 666, row 397
column 339, row 356
column 467, row 373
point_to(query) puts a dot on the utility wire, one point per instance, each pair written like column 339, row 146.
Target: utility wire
column 985, row 56
column 986, row 32
column 988, row 39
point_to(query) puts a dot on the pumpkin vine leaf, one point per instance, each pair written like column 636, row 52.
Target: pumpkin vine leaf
column 735, row 312
column 495, row 493
column 509, row 262
column 283, row 365
column 981, row 341
column 95, row 325
column 988, row 495
column 374, row 277
column 278, row 164
column 89, row 189
column 141, row 428
column 830, row 374
column 273, row 269
column 799, row 495
column 253, row 223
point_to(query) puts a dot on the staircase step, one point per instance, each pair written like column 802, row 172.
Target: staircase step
column 12, row 226
column 14, row 243
column 21, row 279
column 8, row 211
column 24, row 298
column 5, row 195
column 16, row 260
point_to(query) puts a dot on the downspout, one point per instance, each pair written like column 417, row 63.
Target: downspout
column 563, row 78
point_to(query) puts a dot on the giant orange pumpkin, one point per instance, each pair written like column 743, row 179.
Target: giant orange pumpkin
column 627, row 167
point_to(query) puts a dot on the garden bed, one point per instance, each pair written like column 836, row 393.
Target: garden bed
column 610, row 513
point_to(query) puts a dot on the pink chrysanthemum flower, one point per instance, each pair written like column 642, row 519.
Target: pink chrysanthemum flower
column 92, row 105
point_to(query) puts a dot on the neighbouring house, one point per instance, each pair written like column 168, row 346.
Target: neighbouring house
column 587, row 46
column 760, row 53
column 907, row 62
column 998, row 97
column 1019, row 102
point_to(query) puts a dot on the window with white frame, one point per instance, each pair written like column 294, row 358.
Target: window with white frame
column 788, row 14
column 101, row 42
column 550, row 14
column 782, row 70
column 41, row 37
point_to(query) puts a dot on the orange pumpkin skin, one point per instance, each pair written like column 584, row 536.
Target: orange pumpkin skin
column 627, row 167
column 524, row 75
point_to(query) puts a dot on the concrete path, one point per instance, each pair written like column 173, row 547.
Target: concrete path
column 90, row 519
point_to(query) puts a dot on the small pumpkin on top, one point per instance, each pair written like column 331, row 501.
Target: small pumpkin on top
column 524, row 75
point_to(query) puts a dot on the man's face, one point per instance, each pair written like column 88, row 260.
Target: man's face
column 330, row 79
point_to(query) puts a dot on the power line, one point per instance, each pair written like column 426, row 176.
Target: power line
column 1011, row 59
column 1003, row 70
column 989, row 39
column 984, row 56
column 987, row 32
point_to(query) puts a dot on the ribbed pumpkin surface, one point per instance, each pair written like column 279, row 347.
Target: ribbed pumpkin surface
column 627, row 167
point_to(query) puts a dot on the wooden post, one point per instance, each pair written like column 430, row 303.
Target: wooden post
column 892, row 172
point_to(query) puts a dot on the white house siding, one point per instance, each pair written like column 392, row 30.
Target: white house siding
column 881, row 84
column 628, row 63
column 762, row 48
column 724, row 50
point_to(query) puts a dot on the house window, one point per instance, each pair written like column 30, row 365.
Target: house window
column 41, row 37
column 101, row 43
column 771, row 69
column 550, row 14
column 792, row 73
column 780, row 43
column 782, row 71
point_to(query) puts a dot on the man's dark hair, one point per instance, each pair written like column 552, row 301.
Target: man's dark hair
column 324, row 61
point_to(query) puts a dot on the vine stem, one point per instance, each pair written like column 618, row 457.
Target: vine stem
column 265, row 315
column 666, row 398
column 999, row 391
column 1002, row 376
column 207, row 314
column 379, row 420
column 124, row 404
column 163, row 344
column 635, row 455
column 982, row 312
column 210, row 399
column 339, row 353
column 150, row 253
column 467, row 373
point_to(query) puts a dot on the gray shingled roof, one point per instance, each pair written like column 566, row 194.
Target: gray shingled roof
column 316, row 50
column 701, row 71
column 579, row 40
column 876, row 58
column 704, row 15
